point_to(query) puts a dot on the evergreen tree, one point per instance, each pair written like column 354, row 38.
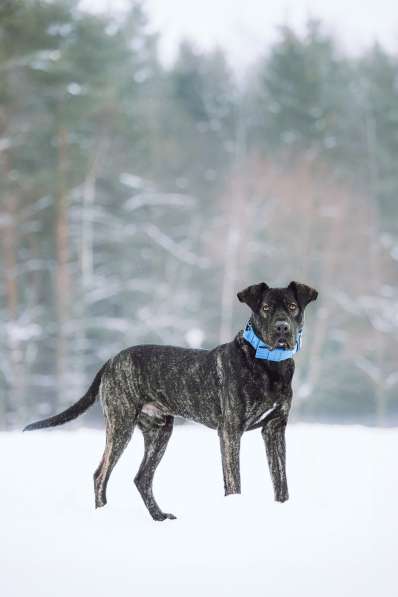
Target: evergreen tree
column 301, row 94
column 203, row 108
column 378, row 72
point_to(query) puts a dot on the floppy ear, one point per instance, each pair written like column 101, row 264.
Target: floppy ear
column 304, row 294
column 252, row 295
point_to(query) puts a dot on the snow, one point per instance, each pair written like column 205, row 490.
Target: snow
column 336, row 536
column 195, row 337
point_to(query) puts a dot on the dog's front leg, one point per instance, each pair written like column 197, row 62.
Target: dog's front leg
column 230, row 448
column 273, row 434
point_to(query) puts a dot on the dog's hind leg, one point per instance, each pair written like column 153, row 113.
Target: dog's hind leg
column 116, row 441
column 121, row 415
column 157, row 432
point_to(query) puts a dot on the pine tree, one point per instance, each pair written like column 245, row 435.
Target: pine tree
column 378, row 72
column 300, row 94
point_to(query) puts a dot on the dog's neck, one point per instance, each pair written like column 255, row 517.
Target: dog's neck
column 265, row 352
column 276, row 371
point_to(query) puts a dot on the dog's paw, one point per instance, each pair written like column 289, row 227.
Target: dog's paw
column 170, row 516
column 233, row 491
column 163, row 516
column 281, row 498
column 100, row 503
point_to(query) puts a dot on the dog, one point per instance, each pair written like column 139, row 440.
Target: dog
column 235, row 387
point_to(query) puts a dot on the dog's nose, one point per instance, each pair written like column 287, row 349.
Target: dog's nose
column 282, row 327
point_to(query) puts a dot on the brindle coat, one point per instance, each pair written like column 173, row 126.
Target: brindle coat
column 227, row 389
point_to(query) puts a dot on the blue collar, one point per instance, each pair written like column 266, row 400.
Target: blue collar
column 265, row 352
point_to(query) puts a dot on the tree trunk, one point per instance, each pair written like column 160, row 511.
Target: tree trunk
column 11, row 400
column 62, row 270
column 235, row 209
column 375, row 263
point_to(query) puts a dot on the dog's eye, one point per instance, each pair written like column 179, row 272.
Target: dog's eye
column 266, row 307
column 292, row 306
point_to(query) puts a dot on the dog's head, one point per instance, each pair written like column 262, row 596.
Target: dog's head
column 277, row 313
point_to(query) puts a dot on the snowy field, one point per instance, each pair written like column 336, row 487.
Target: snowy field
column 337, row 536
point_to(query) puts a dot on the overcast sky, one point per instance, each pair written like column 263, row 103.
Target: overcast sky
column 245, row 27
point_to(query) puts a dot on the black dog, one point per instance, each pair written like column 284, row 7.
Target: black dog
column 233, row 388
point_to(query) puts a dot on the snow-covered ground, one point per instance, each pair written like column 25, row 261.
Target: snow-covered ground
column 337, row 536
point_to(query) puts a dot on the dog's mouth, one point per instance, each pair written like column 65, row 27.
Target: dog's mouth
column 282, row 344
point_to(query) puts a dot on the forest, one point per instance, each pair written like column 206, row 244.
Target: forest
column 137, row 199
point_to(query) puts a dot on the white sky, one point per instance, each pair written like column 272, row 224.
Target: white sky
column 246, row 27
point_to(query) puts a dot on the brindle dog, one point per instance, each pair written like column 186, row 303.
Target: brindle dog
column 226, row 388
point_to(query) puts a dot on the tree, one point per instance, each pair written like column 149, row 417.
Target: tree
column 300, row 95
column 377, row 72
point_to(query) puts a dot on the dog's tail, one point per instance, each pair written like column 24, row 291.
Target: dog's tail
column 73, row 411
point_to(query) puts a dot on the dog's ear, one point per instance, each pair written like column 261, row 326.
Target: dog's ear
column 303, row 293
column 252, row 295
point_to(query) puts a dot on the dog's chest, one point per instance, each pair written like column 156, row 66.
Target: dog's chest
column 258, row 393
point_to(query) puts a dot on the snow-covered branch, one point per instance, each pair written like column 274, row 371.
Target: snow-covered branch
column 175, row 249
